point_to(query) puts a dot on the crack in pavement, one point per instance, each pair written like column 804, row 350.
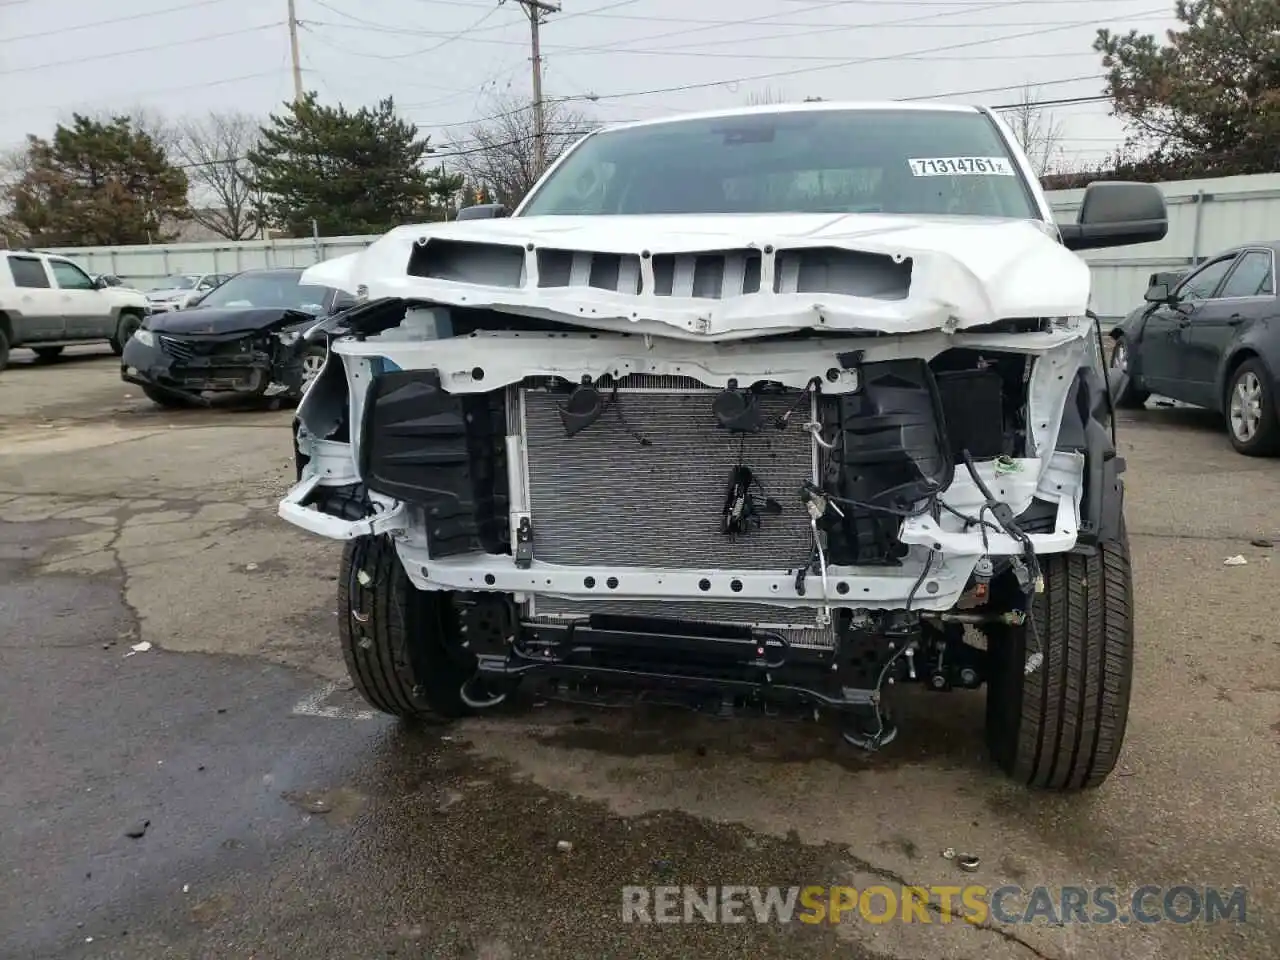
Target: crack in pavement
column 122, row 571
column 866, row 866
column 1171, row 535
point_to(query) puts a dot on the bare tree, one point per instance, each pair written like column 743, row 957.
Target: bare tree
column 214, row 152
column 162, row 131
column 499, row 155
column 1038, row 131
column 766, row 97
column 13, row 167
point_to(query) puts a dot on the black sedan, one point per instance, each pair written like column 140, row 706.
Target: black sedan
column 241, row 341
column 1210, row 338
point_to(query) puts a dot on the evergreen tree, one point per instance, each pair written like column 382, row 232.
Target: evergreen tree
column 1206, row 102
column 351, row 173
column 97, row 183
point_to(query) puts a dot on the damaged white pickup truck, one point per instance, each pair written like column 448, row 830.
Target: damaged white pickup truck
column 775, row 407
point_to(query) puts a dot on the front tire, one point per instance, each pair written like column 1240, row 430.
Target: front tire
column 1251, row 412
column 125, row 329
column 396, row 639
column 4, row 350
column 1130, row 398
column 1061, row 727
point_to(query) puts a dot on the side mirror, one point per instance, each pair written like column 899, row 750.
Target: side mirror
column 1158, row 293
column 100, row 283
column 1116, row 213
column 484, row 211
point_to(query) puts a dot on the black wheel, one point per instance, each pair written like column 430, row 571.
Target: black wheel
column 395, row 638
column 164, row 399
column 1062, row 725
column 1251, row 412
column 47, row 353
column 126, row 328
column 4, row 349
column 1130, row 397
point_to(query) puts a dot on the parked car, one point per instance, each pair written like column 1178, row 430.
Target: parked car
column 237, row 341
column 760, row 408
column 48, row 302
column 1212, row 339
column 179, row 290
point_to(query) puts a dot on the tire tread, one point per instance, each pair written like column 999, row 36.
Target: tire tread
column 378, row 652
column 1063, row 726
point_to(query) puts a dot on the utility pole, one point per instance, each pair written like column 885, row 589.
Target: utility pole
column 293, row 49
column 535, row 10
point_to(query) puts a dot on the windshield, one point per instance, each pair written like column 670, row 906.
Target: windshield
column 808, row 161
column 269, row 288
column 180, row 282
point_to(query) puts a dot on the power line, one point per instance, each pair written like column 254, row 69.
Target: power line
column 1018, row 86
column 702, row 85
column 152, row 90
column 813, row 28
column 446, row 37
column 112, row 21
column 1062, row 102
column 739, row 55
column 932, row 96
column 861, row 3
column 597, row 11
column 319, row 38
column 370, row 27
column 148, row 49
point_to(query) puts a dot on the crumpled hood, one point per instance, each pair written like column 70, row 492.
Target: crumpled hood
column 215, row 321
column 962, row 271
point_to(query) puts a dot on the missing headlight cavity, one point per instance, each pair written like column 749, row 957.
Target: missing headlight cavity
column 444, row 453
column 984, row 395
column 890, row 452
column 489, row 264
column 828, row 270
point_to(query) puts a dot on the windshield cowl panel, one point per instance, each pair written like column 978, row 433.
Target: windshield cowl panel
column 933, row 163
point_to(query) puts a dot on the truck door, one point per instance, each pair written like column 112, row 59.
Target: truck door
column 84, row 307
column 39, row 310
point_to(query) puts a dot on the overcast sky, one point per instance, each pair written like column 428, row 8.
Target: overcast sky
column 444, row 60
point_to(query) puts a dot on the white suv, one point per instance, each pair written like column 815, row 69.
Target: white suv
column 47, row 303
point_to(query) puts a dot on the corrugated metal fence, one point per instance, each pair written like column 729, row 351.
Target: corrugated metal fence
column 143, row 266
column 1204, row 216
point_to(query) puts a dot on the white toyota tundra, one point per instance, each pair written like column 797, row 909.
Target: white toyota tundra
column 773, row 407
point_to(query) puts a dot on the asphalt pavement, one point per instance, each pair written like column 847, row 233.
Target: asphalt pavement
column 219, row 791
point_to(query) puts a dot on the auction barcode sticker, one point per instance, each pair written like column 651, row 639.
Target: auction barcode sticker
column 954, row 166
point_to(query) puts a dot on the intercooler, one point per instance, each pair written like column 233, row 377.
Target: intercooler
column 645, row 485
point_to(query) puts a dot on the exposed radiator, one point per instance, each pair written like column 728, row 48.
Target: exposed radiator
column 603, row 496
